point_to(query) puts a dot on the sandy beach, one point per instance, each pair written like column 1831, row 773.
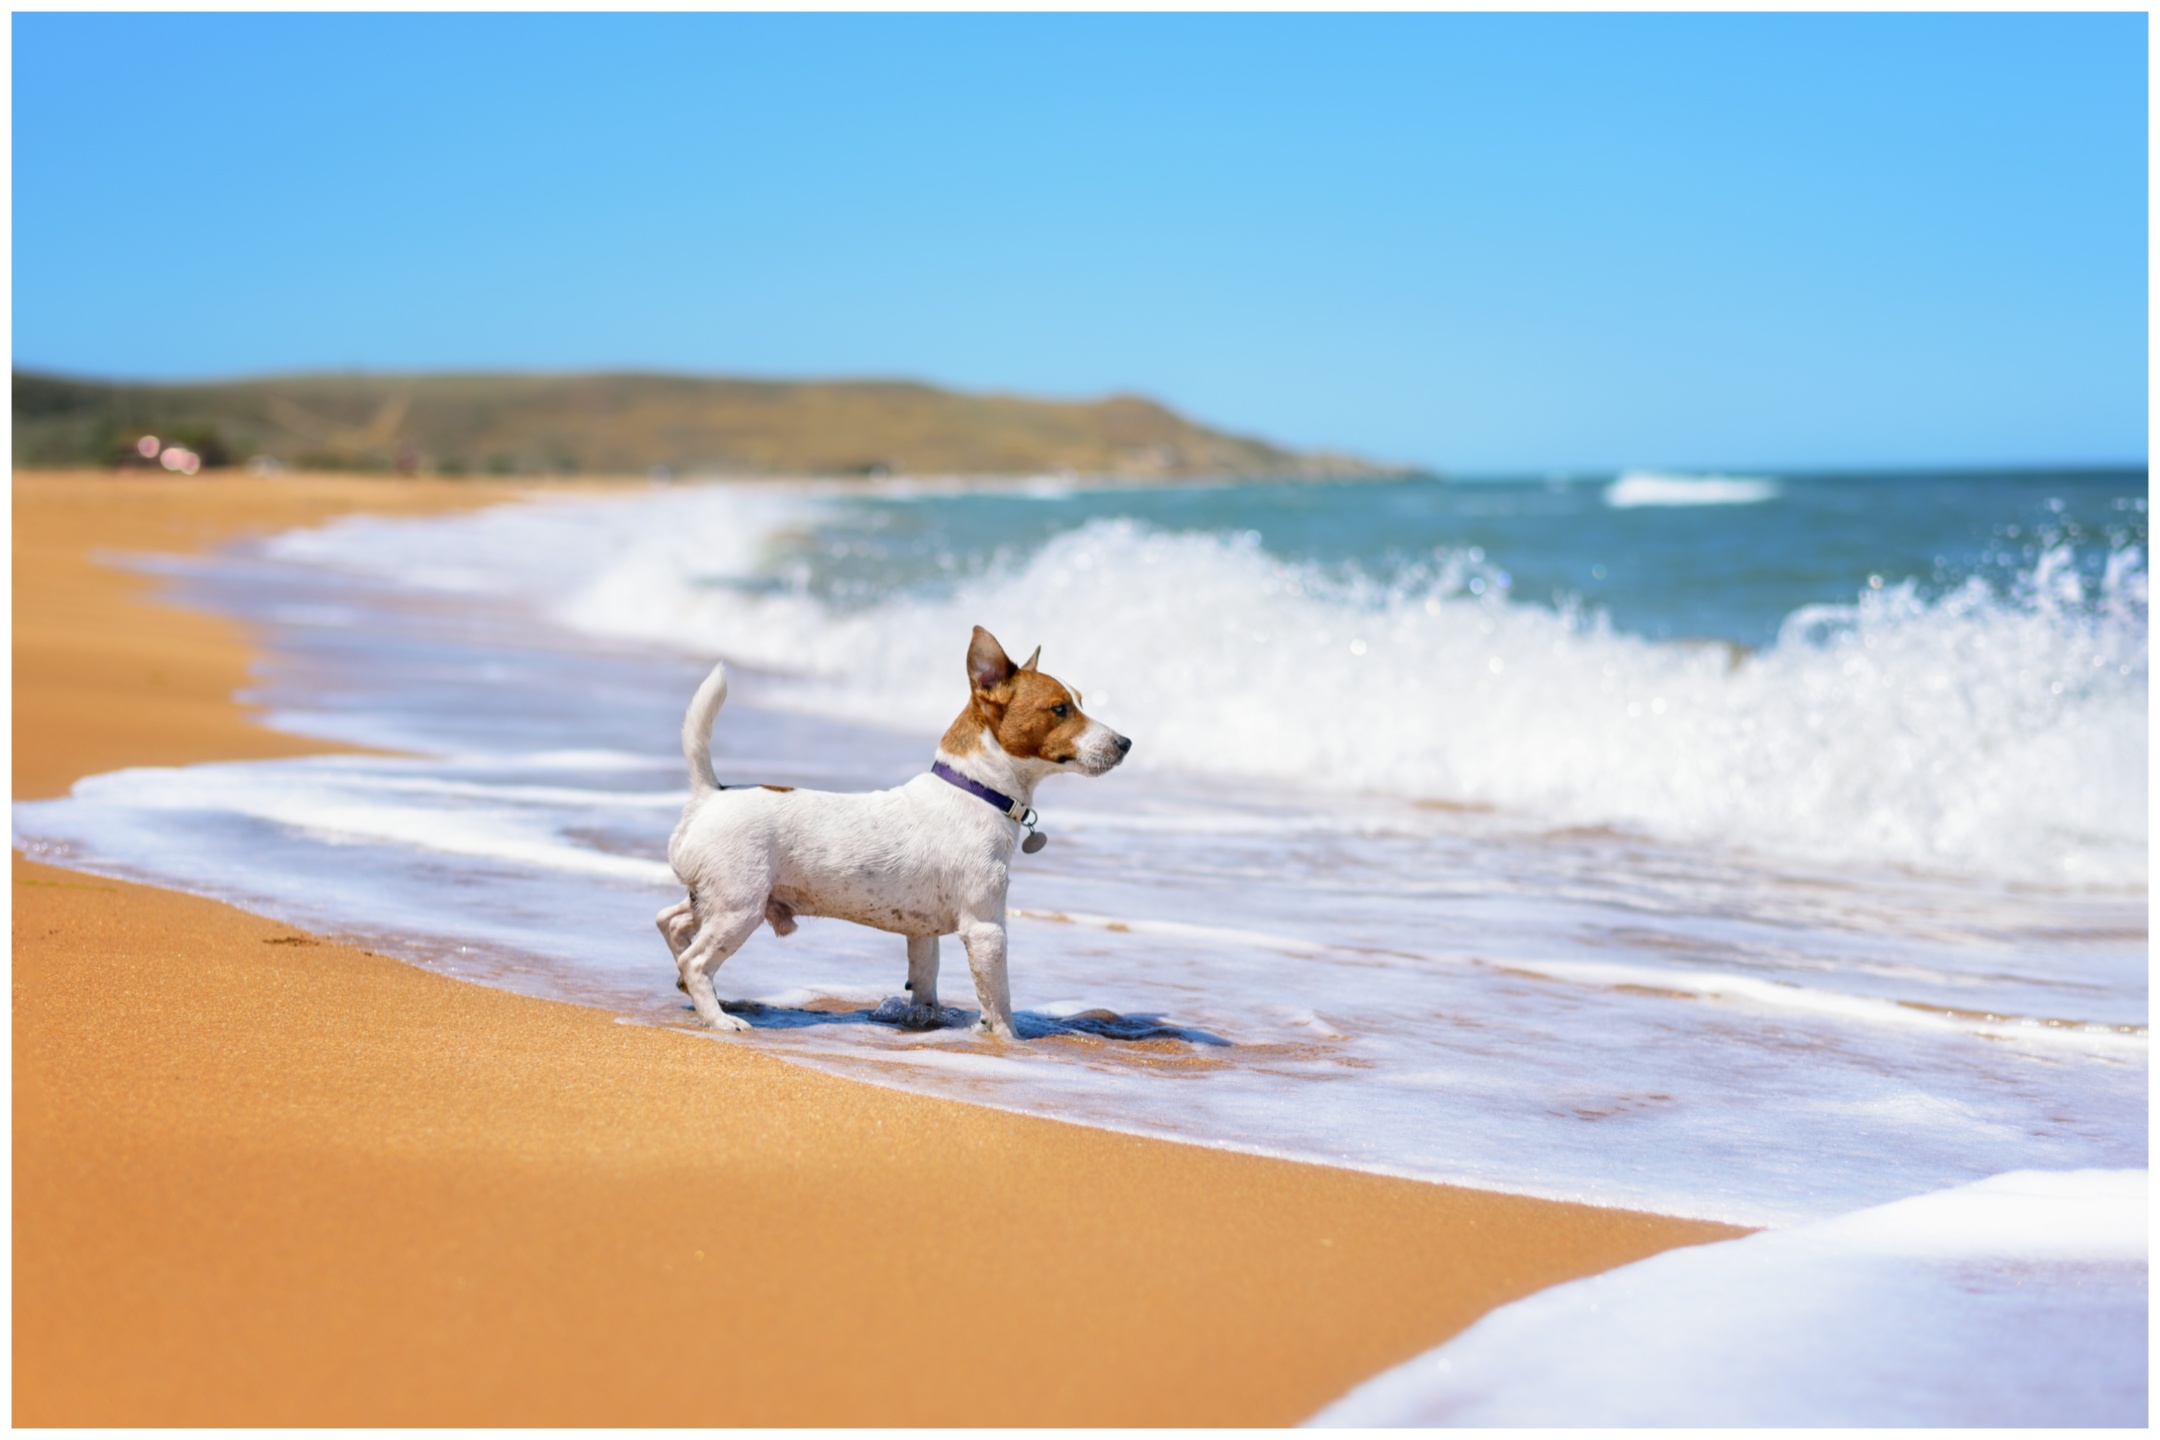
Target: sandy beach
column 263, row 1178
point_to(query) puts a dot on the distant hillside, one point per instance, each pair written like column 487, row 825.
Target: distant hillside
column 628, row 424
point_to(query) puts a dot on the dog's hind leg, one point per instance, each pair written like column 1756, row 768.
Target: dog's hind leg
column 922, row 967
column 677, row 924
column 719, row 937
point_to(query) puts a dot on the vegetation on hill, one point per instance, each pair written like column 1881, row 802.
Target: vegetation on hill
column 613, row 424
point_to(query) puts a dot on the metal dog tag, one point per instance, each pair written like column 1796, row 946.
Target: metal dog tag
column 1035, row 841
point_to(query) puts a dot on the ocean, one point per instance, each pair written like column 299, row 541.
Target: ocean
column 1764, row 848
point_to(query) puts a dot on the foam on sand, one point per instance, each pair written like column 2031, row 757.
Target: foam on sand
column 2019, row 1300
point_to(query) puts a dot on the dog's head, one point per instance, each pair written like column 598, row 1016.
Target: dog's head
column 1032, row 717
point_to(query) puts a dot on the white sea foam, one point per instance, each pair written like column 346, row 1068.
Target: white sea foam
column 1773, row 996
column 1645, row 487
column 1975, row 731
column 1174, row 929
column 346, row 804
column 2019, row 1300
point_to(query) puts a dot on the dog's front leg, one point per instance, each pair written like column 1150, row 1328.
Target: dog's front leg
column 922, row 967
column 986, row 958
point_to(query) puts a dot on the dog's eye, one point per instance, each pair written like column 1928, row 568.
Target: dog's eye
column 1061, row 711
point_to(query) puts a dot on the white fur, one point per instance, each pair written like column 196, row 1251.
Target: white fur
column 924, row 859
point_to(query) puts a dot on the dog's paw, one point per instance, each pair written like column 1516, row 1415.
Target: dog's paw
column 1002, row 1029
column 725, row 1021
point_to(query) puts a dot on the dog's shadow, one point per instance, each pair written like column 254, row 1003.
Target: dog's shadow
column 899, row 1014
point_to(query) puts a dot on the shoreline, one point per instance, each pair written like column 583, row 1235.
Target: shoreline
column 290, row 1181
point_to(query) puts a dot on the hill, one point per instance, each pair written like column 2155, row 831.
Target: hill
column 616, row 424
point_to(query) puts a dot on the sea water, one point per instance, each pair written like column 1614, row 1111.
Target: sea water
column 1759, row 848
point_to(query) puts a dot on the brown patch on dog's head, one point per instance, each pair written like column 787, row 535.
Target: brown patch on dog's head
column 1030, row 715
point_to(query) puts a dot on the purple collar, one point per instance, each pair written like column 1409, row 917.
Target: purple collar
column 1011, row 809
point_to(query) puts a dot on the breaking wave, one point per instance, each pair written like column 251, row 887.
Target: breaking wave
column 2000, row 731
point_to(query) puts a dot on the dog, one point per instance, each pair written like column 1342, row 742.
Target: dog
column 927, row 859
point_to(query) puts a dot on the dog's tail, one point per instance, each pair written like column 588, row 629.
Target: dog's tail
column 697, row 723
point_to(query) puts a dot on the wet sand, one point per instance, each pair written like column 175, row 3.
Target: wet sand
column 262, row 1178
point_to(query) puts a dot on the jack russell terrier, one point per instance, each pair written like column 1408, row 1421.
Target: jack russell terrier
column 926, row 859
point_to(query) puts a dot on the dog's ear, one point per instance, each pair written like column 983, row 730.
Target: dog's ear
column 988, row 664
column 1029, row 663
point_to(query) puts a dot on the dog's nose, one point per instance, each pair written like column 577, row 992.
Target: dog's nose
column 1123, row 744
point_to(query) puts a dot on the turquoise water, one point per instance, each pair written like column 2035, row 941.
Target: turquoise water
column 1730, row 571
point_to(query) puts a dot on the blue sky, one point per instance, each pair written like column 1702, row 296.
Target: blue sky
column 1475, row 242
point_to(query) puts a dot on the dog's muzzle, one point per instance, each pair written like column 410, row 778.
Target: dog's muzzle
column 1102, row 749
